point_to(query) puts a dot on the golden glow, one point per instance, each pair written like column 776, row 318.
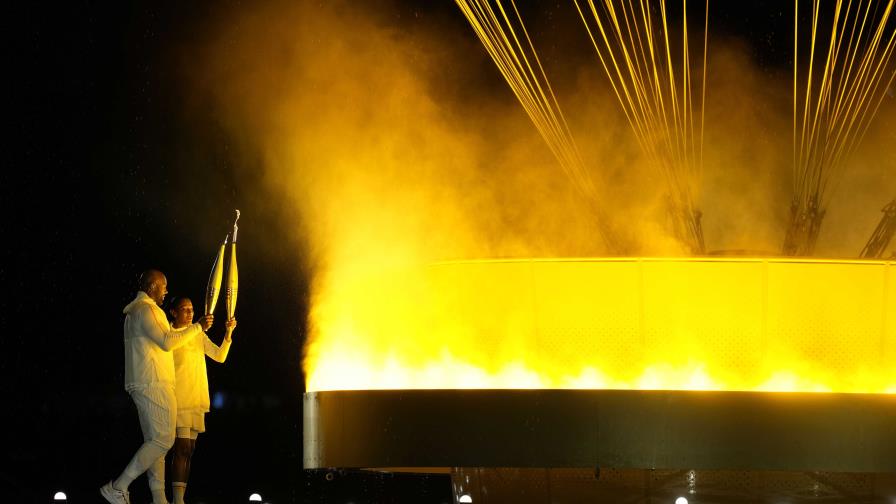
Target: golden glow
column 835, row 100
column 368, row 137
column 658, row 104
column 839, row 110
column 689, row 324
column 518, row 62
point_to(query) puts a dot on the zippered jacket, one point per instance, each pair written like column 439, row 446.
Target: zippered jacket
column 148, row 342
column 191, row 377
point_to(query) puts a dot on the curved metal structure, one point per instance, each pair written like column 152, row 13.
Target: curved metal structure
column 775, row 371
column 601, row 428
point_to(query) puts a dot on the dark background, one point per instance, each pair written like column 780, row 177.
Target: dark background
column 107, row 172
column 111, row 175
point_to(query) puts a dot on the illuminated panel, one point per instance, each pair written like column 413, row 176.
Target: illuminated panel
column 825, row 322
column 674, row 324
column 702, row 324
column 889, row 324
column 601, row 294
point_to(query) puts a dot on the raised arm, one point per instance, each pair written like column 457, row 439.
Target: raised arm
column 219, row 353
column 156, row 328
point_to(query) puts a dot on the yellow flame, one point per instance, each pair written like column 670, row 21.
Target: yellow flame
column 683, row 324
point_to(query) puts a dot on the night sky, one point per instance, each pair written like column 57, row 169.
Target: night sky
column 113, row 168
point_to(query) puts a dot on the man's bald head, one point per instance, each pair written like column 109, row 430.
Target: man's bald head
column 154, row 284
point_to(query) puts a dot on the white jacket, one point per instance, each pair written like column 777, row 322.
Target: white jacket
column 148, row 341
column 191, row 386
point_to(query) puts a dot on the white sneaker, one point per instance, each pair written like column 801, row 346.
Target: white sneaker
column 114, row 495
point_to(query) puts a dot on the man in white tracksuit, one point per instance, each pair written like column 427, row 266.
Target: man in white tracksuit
column 149, row 379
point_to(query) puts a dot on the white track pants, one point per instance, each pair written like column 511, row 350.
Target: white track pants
column 157, row 409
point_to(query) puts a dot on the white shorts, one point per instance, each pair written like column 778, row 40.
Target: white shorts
column 190, row 423
column 187, row 433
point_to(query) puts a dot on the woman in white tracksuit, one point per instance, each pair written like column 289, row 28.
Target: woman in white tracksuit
column 191, row 390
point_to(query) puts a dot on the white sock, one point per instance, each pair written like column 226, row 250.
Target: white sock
column 127, row 476
column 178, row 490
column 158, row 496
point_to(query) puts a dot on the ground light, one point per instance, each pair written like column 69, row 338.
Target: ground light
column 255, row 498
column 681, row 500
column 60, row 496
column 465, row 498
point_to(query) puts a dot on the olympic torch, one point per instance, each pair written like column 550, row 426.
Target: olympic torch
column 233, row 281
column 213, row 289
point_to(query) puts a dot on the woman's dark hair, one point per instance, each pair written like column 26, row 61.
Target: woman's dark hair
column 173, row 302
